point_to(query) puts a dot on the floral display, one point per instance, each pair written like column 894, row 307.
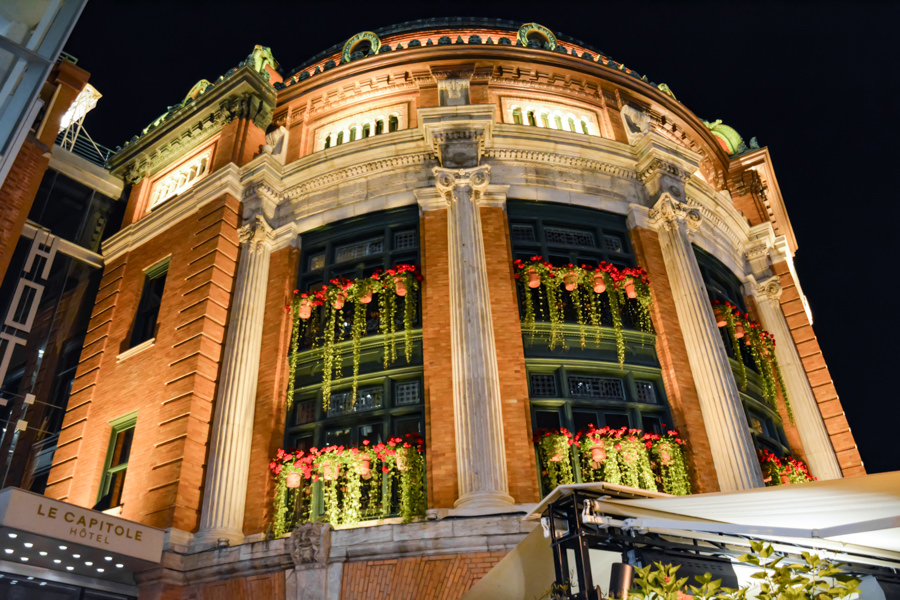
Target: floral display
column 325, row 312
column 621, row 456
column 741, row 329
column 587, row 291
column 356, row 483
column 782, row 471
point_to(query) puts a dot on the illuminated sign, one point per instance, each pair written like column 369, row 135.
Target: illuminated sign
column 44, row 516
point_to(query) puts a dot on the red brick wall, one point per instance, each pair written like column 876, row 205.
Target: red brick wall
column 256, row 587
column 443, row 577
column 440, row 434
column 818, row 375
column 269, row 417
column 171, row 385
column 17, row 194
column 521, row 470
column 676, row 369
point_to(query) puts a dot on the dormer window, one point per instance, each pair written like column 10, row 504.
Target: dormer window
column 180, row 179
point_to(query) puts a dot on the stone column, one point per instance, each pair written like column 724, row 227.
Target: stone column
column 816, row 441
column 225, row 492
column 723, row 413
column 480, row 453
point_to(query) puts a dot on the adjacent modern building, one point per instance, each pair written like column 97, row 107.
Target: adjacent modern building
column 462, row 149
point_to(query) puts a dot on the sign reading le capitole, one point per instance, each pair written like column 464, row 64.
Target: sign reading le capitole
column 52, row 518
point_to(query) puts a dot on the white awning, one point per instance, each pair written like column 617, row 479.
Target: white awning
column 858, row 515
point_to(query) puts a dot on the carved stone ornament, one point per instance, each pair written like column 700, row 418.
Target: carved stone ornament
column 256, row 233
column 311, row 544
column 770, row 289
column 659, row 166
column 669, row 213
column 447, row 180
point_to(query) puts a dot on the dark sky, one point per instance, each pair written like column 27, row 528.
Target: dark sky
column 816, row 82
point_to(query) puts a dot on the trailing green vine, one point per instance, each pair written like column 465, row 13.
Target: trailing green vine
column 582, row 288
column 400, row 282
column 555, row 457
column 347, row 476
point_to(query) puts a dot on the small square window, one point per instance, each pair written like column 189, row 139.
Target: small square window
column 317, row 262
column 405, row 240
column 406, row 393
column 613, row 243
column 543, row 385
column 646, row 392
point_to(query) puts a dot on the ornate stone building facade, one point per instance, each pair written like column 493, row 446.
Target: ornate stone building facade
column 458, row 147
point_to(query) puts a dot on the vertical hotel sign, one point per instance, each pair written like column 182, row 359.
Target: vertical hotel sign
column 33, row 513
column 22, row 310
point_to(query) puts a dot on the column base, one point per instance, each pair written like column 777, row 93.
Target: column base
column 483, row 503
column 207, row 539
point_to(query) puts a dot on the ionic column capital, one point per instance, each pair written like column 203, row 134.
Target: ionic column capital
column 256, row 234
column 449, row 180
column 669, row 213
column 769, row 289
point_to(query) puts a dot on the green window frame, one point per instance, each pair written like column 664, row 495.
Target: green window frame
column 115, row 466
column 147, row 316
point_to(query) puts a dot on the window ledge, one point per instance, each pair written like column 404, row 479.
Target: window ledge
column 116, row 511
column 136, row 350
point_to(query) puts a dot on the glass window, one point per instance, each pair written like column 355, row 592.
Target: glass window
column 116, row 463
column 145, row 320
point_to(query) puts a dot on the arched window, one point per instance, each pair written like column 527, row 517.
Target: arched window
column 340, row 138
column 531, row 119
column 572, row 125
column 328, row 141
column 517, row 116
column 545, row 120
column 584, row 128
column 353, row 134
column 367, row 130
column 379, row 126
column 393, row 123
column 558, row 120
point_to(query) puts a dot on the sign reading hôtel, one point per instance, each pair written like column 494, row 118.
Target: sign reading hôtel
column 39, row 515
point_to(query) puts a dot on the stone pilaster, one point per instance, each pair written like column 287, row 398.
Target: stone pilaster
column 816, row 441
column 480, row 454
column 723, row 413
column 225, row 492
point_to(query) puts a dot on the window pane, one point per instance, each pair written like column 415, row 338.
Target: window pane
column 583, row 418
column 122, row 447
column 600, row 388
column 544, row 419
column 543, row 385
column 646, row 392
column 358, row 250
column 368, row 398
column 616, row 420
column 406, row 393
column 560, row 236
column 116, row 485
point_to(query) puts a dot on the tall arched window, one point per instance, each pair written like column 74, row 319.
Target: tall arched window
column 379, row 126
column 584, row 128
column 572, row 125
column 545, row 120
column 353, row 134
column 366, row 130
column 517, row 116
column 328, row 141
column 531, row 119
column 393, row 123
column 558, row 120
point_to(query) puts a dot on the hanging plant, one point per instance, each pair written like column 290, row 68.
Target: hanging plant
column 761, row 345
column 555, row 457
column 599, row 456
column 669, row 457
column 634, row 461
column 782, row 471
column 583, row 287
column 343, row 296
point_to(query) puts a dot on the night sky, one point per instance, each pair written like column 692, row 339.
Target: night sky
column 816, row 82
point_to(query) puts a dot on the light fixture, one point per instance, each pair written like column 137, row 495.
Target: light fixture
column 8, row 550
column 70, row 568
column 42, row 553
column 30, row 578
column 63, row 547
column 88, row 563
column 29, row 545
column 119, row 565
column 99, row 570
column 76, row 556
column 56, row 561
column 23, row 558
column 43, row 583
column 13, row 535
column 107, row 558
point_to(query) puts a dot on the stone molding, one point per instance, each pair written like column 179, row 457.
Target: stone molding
column 553, row 158
column 355, row 171
column 257, row 235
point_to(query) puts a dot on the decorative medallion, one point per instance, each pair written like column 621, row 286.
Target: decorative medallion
column 529, row 31
column 352, row 43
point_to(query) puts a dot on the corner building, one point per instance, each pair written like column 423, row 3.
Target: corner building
column 456, row 146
